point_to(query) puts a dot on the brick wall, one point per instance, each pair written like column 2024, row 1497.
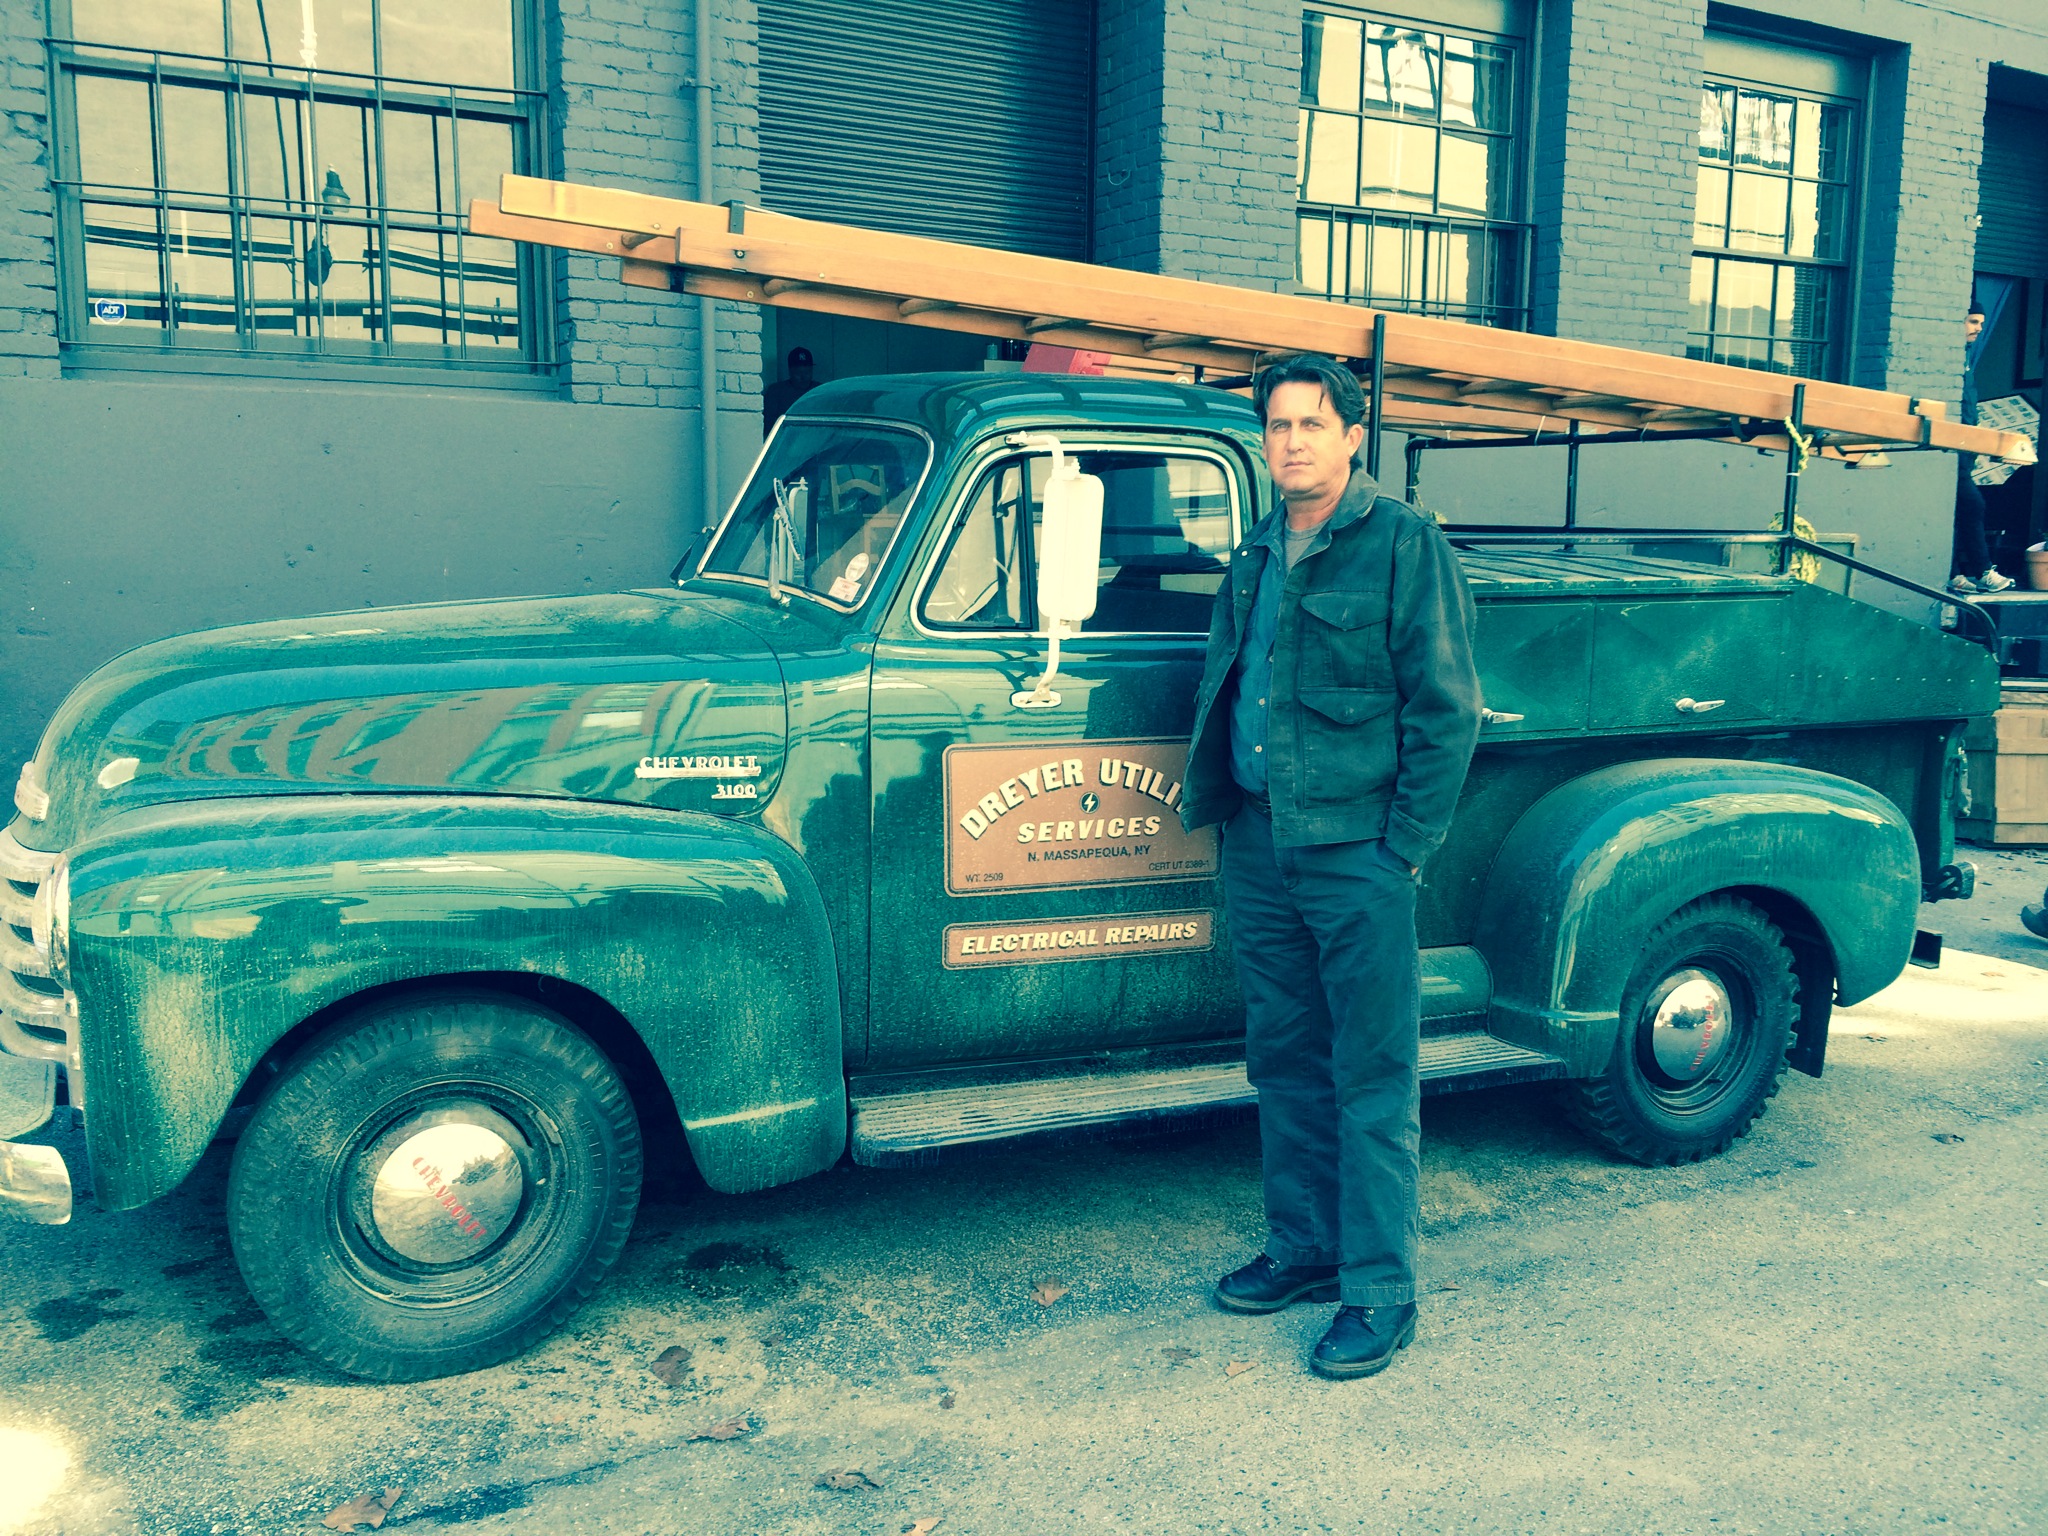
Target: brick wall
column 623, row 114
column 1613, row 188
column 28, row 271
column 1926, row 119
column 1195, row 137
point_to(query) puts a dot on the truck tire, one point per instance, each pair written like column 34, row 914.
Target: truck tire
column 434, row 1185
column 1706, row 1025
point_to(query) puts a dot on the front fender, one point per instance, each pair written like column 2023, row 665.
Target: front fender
column 1597, row 863
column 201, row 933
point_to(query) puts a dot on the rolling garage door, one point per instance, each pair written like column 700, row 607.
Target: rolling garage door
column 968, row 121
column 2012, row 192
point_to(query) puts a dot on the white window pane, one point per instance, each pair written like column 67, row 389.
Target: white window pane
column 1332, row 159
column 123, row 286
column 461, row 42
column 1757, row 215
column 114, row 144
column 1710, row 212
column 1398, row 167
column 195, row 127
column 1763, row 131
column 1330, row 60
column 202, row 271
column 183, row 26
column 1474, row 177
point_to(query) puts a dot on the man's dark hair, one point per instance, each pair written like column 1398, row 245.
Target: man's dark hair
column 1338, row 384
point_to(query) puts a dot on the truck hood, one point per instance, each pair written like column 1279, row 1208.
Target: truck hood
column 648, row 698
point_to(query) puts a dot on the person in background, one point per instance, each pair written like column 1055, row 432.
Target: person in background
column 779, row 397
column 1970, row 567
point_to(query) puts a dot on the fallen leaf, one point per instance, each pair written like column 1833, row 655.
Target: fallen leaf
column 1238, row 1367
column 365, row 1509
column 1947, row 1138
column 923, row 1527
column 946, row 1400
column 772, row 1341
column 725, row 1429
column 1046, row 1292
column 1875, row 1039
column 844, row 1480
column 672, row 1364
column 1179, row 1356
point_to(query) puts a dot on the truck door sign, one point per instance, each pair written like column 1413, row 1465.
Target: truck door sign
column 1069, row 814
column 1108, row 937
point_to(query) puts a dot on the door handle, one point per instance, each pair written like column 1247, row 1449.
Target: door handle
column 1697, row 706
column 1497, row 717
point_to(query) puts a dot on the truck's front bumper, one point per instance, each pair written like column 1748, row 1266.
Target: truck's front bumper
column 38, row 1035
column 34, row 1183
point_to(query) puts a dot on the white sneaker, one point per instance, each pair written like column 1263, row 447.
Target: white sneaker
column 1991, row 581
column 1962, row 586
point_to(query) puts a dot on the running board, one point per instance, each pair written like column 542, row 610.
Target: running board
column 905, row 1125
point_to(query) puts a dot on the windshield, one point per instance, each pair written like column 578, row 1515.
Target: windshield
column 831, row 495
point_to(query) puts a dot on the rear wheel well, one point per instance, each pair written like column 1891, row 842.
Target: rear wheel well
column 670, row 1170
column 1813, row 964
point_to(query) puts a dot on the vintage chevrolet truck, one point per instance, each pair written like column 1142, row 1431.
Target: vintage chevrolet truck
column 863, row 835
column 813, row 852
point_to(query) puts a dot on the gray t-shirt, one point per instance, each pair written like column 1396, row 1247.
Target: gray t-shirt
column 1298, row 543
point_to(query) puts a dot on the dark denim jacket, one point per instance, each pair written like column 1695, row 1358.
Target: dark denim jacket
column 1375, row 702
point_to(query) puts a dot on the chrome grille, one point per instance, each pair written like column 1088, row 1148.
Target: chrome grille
column 38, row 1015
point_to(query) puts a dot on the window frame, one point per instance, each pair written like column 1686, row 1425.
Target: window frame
column 990, row 455
column 703, row 572
column 1506, row 310
column 525, row 106
column 1838, row 347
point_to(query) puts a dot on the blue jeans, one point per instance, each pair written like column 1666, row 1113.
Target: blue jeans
column 1325, row 944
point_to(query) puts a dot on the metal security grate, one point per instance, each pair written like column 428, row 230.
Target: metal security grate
column 968, row 121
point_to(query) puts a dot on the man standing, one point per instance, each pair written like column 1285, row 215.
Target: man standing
column 1970, row 567
column 1337, row 716
column 778, row 397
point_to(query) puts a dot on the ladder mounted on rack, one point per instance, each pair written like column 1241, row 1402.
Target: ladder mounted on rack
column 1442, row 379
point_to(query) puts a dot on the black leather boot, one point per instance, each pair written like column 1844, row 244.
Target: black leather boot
column 1264, row 1286
column 2035, row 920
column 1363, row 1341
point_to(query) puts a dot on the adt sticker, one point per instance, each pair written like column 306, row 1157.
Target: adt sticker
column 113, row 311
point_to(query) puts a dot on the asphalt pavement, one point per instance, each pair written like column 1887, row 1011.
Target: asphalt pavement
column 1840, row 1326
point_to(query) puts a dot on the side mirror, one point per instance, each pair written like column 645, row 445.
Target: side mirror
column 1069, row 545
column 1069, row 562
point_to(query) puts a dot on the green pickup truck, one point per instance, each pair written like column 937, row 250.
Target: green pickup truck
column 455, row 907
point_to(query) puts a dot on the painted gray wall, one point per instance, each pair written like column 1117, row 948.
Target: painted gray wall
column 137, row 509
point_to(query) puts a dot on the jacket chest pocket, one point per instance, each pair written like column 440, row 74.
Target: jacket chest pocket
column 1343, row 642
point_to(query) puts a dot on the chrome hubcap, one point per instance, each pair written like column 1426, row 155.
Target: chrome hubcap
column 446, row 1193
column 1691, row 1023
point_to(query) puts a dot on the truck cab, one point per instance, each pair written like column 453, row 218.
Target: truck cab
column 813, row 853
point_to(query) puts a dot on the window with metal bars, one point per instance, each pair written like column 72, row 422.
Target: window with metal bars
column 1772, row 228
column 280, row 177
column 1408, row 171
